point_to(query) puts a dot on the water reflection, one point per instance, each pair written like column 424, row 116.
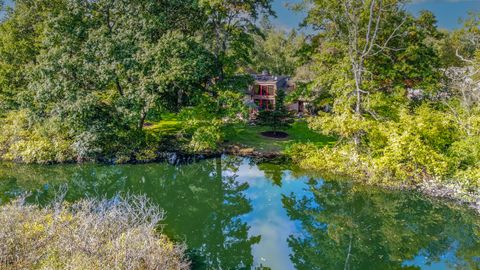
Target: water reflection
column 203, row 206
column 268, row 217
column 235, row 214
column 356, row 227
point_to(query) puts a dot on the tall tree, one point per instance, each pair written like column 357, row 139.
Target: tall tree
column 276, row 50
column 357, row 26
column 21, row 31
column 230, row 26
column 367, row 55
column 101, row 66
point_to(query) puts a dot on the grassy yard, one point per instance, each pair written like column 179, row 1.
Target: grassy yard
column 169, row 125
column 249, row 136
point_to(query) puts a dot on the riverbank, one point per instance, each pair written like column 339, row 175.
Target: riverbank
column 247, row 141
column 450, row 191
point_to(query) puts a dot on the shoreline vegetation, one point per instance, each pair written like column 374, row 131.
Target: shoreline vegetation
column 88, row 234
column 447, row 191
column 247, row 141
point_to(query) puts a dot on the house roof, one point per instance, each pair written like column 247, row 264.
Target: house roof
column 280, row 81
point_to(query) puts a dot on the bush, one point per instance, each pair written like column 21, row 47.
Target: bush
column 90, row 234
column 338, row 160
column 206, row 138
column 43, row 142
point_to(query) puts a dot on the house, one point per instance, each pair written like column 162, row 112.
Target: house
column 261, row 94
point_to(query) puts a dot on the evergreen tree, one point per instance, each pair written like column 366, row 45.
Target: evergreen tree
column 279, row 117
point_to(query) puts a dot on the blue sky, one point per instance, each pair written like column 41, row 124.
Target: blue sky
column 448, row 12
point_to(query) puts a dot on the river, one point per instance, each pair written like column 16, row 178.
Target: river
column 236, row 214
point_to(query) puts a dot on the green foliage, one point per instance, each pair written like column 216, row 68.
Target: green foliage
column 279, row 117
column 86, row 235
column 229, row 28
column 21, row 32
column 276, row 51
column 104, row 68
column 414, row 125
column 425, row 145
column 206, row 138
column 337, row 160
column 208, row 121
column 24, row 141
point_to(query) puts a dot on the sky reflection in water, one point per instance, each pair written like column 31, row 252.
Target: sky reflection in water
column 235, row 214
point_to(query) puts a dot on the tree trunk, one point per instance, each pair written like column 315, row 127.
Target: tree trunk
column 119, row 86
column 143, row 116
column 179, row 99
column 357, row 72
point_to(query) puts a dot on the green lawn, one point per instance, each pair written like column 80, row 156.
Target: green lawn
column 250, row 137
column 167, row 126
column 247, row 136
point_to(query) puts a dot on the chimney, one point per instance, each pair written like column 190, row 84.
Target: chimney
column 265, row 73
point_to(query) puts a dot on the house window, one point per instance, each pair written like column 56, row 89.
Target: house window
column 271, row 90
column 271, row 105
column 264, row 104
column 263, row 90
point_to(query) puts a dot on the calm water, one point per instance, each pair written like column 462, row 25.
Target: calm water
column 234, row 214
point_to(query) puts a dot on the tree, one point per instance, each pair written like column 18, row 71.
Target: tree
column 21, row 31
column 364, row 52
column 276, row 50
column 102, row 66
column 212, row 116
column 279, row 117
column 358, row 26
column 398, row 117
column 229, row 29
column 367, row 56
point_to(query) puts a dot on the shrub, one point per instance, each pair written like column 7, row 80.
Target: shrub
column 43, row 142
column 206, row 138
column 409, row 159
column 338, row 160
column 89, row 234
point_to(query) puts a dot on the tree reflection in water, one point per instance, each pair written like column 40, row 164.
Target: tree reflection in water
column 203, row 206
column 329, row 224
column 348, row 226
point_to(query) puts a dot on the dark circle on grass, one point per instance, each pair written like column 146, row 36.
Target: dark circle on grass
column 275, row 134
